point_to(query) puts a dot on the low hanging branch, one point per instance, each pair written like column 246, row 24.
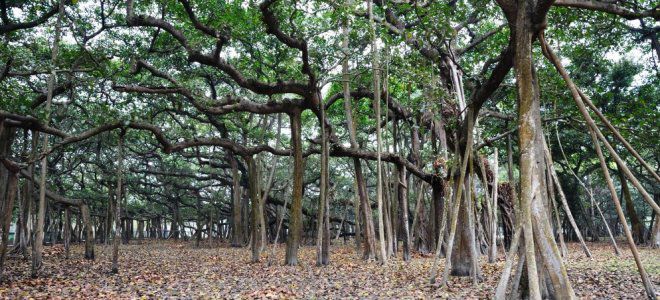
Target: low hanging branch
column 610, row 7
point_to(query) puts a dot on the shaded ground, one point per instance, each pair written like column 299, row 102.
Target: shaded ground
column 173, row 269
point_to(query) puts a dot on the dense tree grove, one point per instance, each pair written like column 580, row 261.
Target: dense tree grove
column 457, row 129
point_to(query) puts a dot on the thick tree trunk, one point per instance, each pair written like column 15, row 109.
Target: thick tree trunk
column 464, row 259
column 257, row 208
column 539, row 243
column 458, row 208
column 295, row 222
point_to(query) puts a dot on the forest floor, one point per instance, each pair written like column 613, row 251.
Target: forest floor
column 179, row 270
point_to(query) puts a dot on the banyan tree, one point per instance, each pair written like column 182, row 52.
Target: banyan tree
column 455, row 129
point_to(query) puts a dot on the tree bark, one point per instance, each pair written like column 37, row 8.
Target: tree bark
column 637, row 225
column 10, row 196
column 493, row 208
column 402, row 194
column 25, row 200
column 295, row 222
column 120, row 173
column 89, row 234
column 257, row 208
column 457, row 203
column 539, row 243
column 361, row 191
column 237, row 221
column 67, row 231
column 323, row 227
column 379, row 175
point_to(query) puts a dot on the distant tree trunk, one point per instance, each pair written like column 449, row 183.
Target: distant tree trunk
column 562, row 197
column 127, row 222
column 10, row 196
column 295, row 223
column 463, row 258
column 140, row 229
column 493, row 208
column 637, row 225
column 387, row 218
column 21, row 240
column 67, row 231
column 118, row 198
column 237, row 222
column 655, row 233
column 419, row 234
column 490, row 223
column 108, row 219
column 198, row 222
column 77, row 231
column 6, row 140
column 177, row 229
column 403, row 212
column 257, row 208
column 505, row 205
column 435, row 213
column 89, row 235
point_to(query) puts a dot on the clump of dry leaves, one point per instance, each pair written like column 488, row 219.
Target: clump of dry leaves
column 158, row 269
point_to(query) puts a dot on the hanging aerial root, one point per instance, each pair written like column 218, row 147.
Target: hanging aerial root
column 592, row 125
column 595, row 136
column 609, row 232
column 500, row 291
